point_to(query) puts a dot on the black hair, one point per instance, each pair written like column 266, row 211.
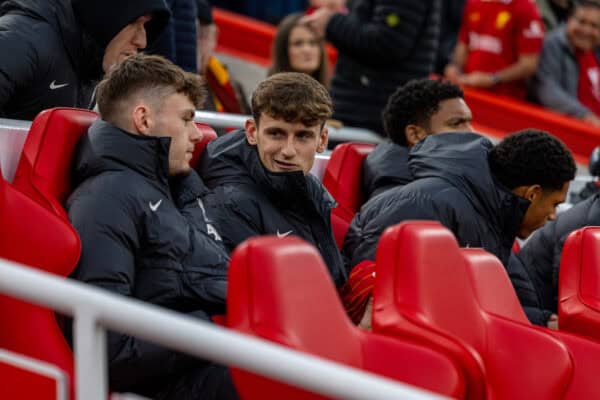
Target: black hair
column 414, row 103
column 530, row 157
column 575, row 4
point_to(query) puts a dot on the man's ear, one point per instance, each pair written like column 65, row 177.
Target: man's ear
column 323, row 139
column 251, row 131
column 414, row 134
column 531, row 192
column 142, row 120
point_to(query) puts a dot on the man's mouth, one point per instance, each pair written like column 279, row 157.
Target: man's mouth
column 286, row 166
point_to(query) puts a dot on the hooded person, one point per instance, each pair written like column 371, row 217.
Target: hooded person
column 60, row 49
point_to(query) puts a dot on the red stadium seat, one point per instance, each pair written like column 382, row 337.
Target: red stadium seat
column 279, row 290
column 208, row 134
column 579, row 283
column 44, row 170
column 30, row 379
column 423, row 290
column 343, row 179
column 34, row 236
column 497, row 297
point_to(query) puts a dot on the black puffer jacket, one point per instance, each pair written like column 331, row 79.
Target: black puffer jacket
column 453, row 185
column 382, row 44
column 52, row 56
column 147, row 237
column 534, row 270
column 248, row 200
column 384, row 168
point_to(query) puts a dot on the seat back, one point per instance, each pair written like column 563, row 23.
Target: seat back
column 44, row 170
column 492, row 286
column 208, row 135
column 343, row 179
column 579, row 283
column 34, row 236
column 497, row 297
column 423, row 289
column 279, row 290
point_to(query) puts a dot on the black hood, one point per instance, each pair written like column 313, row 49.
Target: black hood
column 231, row 159
column 58, row 14
column 462, row 160
column 107, row 148
column 386, row 167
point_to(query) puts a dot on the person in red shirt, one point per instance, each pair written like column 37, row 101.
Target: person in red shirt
column 498, row 46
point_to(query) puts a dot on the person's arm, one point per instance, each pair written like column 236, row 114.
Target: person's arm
column 546, row 83
column 454, row 69
column 388, row 37
column 19, row 69
column 109, row 243
column 522, row 69
column 233, row 214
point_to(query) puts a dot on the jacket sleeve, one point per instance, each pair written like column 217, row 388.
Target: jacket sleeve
column 546, row 87
column 232, row 217
column 526, row 291
column 19, row 69
column 109, row 244
column 388, row 37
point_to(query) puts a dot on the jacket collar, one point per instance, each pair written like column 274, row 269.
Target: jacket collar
column 106, row 147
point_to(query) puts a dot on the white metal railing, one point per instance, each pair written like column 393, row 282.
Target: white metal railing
column 95, row 310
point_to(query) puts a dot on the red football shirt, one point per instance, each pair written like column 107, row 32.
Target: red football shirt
column 588, row 89
column 496, row 33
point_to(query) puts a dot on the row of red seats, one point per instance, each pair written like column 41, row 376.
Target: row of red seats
column 458, row 303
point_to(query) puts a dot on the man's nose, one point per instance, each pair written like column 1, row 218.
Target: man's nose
column 289, row 150
column 196, row 134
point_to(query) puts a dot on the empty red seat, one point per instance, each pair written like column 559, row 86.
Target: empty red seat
column 497, row 297
column 423, row 290
column 343, row 179
column 279, row 290
column 579, row 283
column 34, row 236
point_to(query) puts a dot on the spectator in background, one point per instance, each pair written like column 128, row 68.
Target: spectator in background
column 568, row 77
column 534, row 270
column 415, row 110
column 54, row 51
column 225, row 93
column 335, row 5
column 143, row 228
column 498, row 46
column 260, row 175
column 382, row 44
column 553, row 12
column 296, row 48
column 452, row 12
column 178, row 41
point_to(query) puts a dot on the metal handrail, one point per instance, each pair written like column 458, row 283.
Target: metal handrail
column 95, row 310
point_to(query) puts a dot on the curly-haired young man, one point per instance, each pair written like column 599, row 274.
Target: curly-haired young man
column 260, row 175
column 415, row 110
column 486, row 195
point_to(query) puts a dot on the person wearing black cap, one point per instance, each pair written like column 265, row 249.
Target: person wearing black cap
column 59, row 49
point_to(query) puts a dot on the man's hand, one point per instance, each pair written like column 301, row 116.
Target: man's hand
column 592, row 119
column 318, row 20
column 365, row 322
column 477, row 79
column 553, row 322
column 452, row 73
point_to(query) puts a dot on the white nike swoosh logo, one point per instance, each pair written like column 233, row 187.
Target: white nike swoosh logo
column 154, row 206
column 282, row 235
column 54, row 85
